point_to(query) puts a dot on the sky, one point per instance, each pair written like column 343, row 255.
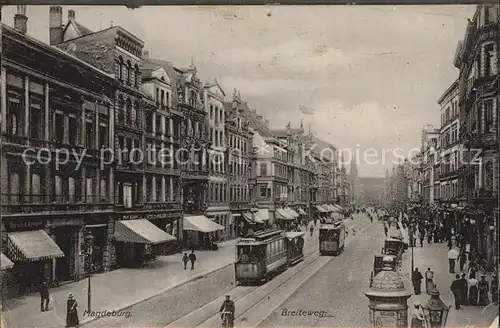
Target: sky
column 371, row 74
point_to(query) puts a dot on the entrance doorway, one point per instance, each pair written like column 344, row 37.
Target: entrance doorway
column 65, row 239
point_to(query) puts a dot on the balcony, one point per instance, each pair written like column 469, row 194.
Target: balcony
column 449, row 174
column 194, row 174
column 127, row 122
column 39, row 203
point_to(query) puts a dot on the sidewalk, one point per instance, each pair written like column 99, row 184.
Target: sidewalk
column 435, row 256
column 116, row 289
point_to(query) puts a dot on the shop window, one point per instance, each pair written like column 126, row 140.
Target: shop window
column 103, row 135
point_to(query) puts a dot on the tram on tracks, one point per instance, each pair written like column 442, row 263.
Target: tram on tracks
column 331, row 238
column 265, row 254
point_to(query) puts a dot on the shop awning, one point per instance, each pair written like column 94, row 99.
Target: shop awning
column 294, row 234
column 292, row 212
column 201, row 223
column 5, row 263
column 335, row 209
column 321, row 209
column 141, row 232
column 252, row 218
column 301, row 211
column 32, row 246
column 263, row 214
column 282, row 214
column 339, row 207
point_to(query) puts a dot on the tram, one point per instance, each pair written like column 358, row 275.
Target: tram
column 331, row 238
column 264, row 254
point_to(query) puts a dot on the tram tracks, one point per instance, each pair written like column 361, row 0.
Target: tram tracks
column 257, row 299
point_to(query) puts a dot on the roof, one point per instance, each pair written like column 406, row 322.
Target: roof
column 58, row 50
column 448, row 91
column 148, row 68
column 255, row 123
column 79, row 28
column 283, row 133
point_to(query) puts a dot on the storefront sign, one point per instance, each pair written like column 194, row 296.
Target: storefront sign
column 25, row 224
column 149, row 216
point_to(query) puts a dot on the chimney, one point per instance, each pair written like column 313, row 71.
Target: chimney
column 20, row 20
column 145, row 54
column 55, row 25
column 71, row 14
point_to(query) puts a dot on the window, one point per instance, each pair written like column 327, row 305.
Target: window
column 129, row 72
column 489, row 54
column 136, row 75
column 211, row 112
column 263, row 191
column 59, row 128
column 89, row 135
column 73, row 131
column 167, row 99
column 127, row 195
column 263, row 169
column 120, row 68
column 489, row 15
column 488, row 115
column 103, row 136
column 36, row 120
column 162, row 97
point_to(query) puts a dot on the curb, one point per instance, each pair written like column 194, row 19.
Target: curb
column 85, row 322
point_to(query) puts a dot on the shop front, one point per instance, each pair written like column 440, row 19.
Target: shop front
column 138, row 242
column 200, row 232
column 32, row 251
column 100, row 226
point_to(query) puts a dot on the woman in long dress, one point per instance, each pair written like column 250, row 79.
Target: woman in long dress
column 484, row 289
column 72, row 312
column 473, row 291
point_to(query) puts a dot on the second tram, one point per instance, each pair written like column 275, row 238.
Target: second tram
column 264, row 254
column 331, row 238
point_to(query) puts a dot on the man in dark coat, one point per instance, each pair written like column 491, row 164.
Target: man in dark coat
column 465, row 290
column 185, row 260
column 44, row 296
column 228, row 306
column 416, row 280
column 192, row 258
column 456, row 289
column 462, row 258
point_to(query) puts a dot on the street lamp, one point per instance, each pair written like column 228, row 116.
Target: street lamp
column 435, row 311
column 89, row 243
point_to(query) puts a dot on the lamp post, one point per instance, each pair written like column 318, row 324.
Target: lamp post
column 435, row 311
column 89, row 242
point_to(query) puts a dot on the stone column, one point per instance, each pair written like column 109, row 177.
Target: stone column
column 153, row 190
column 84, row 184
column 66, row 129
column 163, row 196
column 153, row 128
column 26, row 130
column 3, row 104
column 46, row 130
column 96, row 122
column 171, row 129
column 82, row 125
column 144, row 188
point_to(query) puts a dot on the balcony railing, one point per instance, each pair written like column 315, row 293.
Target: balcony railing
column 32, row 203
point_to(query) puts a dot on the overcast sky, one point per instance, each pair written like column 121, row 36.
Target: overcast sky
column 373, row 74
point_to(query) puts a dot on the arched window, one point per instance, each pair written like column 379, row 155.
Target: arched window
column 129, row 72
column 135, row 111
column 128, row 110
column 121, row 109
column 192, row 98
column 120, row 68
column 137, row 75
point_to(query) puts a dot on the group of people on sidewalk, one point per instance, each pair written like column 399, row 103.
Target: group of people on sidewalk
column 473, row 292
column 72, row 319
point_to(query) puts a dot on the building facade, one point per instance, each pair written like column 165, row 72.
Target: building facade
column 239, row 165
column 218, row 194
column 49, row 201
column 451, row 148
column 478, row 93
column 430, row 164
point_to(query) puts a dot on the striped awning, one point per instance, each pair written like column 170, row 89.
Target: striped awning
column 292, row 212
column 321, row 209
column 5, row 263
column 200, row 223
column 31, row 246
column 334, row 209
column 140, row 232
column 301, row 211
column 282, row 214
column 263, row 214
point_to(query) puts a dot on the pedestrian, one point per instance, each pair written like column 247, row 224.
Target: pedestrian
column 44, row 296
column 416, row 280
column 311, row 229
column 452, row 256
column 472, row 270
column 417, row 321
column 494, row 287
column 484, row 290
column 386, row 230
column 456, row 289
column 462, row 258
column 472, row 291
column 465, row 290
column 72, row 312
column 429, row 280
column 185, row 259
column 429, row 236
column 422, row 236
column 192, row 258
